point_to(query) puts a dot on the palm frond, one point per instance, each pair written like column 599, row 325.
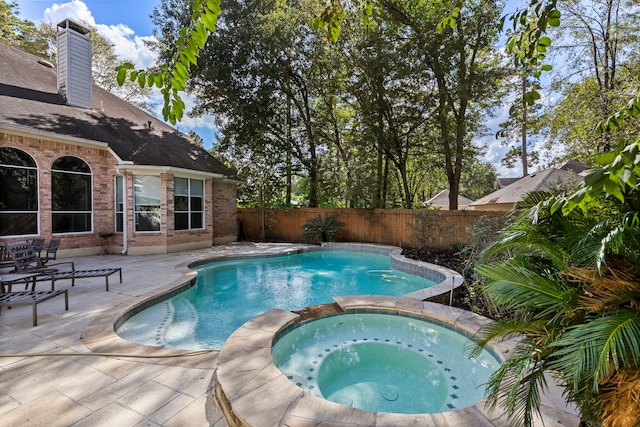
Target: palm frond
column 503, row 329
column 618, row 402
column 605, row 290
column 613, row 235
column 516, row 387
column 589, row 352
column 519, row 287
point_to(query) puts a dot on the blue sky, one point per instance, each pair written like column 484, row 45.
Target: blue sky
column 127, row 24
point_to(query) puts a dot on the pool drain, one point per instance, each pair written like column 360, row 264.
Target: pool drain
column 390, row 393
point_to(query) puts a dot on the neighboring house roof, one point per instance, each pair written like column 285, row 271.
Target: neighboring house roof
column 29, row 100
column 544, row 180
column 503, row 182
column 573, row 165
column 441, row 200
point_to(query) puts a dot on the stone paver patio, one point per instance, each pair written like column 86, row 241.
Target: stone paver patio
column 71, row 369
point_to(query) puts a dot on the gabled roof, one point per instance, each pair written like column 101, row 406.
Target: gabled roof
column 441, row 200
column 544, row 180
column 29, row 100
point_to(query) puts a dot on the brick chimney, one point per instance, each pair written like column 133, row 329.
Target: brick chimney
column 74, row 64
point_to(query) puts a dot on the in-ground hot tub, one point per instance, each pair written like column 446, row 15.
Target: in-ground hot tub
column 391, row 362
column 252, row 390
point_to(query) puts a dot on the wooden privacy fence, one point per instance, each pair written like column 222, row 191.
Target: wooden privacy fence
column 439, row 229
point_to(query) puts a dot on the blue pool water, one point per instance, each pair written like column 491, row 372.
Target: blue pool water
column 229, row 293
column 384, row 362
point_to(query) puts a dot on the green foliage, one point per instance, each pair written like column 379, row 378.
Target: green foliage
column 171, row 78
column 483, row 233
column 425, row 228
column 321, row 229
column 528, row 42
column 572, row 285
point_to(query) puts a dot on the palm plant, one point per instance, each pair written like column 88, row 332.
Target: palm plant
column 322, row 230
column 572, row 284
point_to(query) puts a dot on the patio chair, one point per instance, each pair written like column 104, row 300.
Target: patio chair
column 27, row 261
column 5, row 257
column 51, row 251
column 38, row 245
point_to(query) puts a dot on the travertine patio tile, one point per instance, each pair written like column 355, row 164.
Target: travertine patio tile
column 195, row 414
column 246, row 375
column 413, row 420
column 14, row 342
column 266, row 405
column 148, row 397
column 111, row 415
column 52, row 409
column 192, row 382
column 107, row 395
column 88, row 381
column 311, row 407
column 115, row 368
column 469, row 416
column 171, row 408
column 16, row 367
column 7, row 403
column 36, row 383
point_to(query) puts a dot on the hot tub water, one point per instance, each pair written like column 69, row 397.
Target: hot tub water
column 384, row 362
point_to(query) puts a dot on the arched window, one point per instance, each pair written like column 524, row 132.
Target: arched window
column 19, row 194
column 71, row 201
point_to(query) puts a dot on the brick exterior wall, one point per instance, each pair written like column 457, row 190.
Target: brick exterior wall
column 225, row 220
column 220, row 204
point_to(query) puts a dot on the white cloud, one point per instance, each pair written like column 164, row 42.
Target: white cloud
column 127, row 45
column 75, row 10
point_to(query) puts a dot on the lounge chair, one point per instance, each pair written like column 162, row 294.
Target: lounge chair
column 27, row 261
column 10, row 299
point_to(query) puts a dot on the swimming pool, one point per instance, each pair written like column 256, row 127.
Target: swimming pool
column 229, row 293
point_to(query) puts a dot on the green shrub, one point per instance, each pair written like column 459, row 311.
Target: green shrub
column 322, row 230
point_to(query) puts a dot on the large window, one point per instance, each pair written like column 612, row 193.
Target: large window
column 189, row 204
column 71, row 203
column 119, row 208
column 18, row 193
column 146, row 190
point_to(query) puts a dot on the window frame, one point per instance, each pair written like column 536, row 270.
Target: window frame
column 190, row 211
column 119, row 187
column 137, row 213
column 89, row 212
column 35, row 196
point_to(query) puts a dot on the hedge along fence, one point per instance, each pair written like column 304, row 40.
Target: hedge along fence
column 397, row 227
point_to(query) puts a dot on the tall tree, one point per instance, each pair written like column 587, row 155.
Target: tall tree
column 465, row 71
column 393, row 101
column 596, row 45
column 265, row 72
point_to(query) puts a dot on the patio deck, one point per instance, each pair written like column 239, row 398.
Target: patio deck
column 81, row 388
